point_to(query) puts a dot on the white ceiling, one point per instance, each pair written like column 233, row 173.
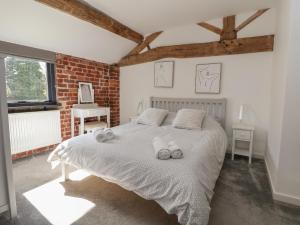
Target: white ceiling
column 147, row 16
column 30, row 23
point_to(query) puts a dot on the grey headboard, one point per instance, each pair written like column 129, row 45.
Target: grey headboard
column 214, row 107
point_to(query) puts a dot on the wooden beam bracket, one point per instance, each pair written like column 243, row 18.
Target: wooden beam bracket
column 211, row 28
column 229, row 31
column 145, row 44
column 251, row 19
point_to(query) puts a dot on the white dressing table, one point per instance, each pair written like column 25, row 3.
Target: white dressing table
column 83, row 111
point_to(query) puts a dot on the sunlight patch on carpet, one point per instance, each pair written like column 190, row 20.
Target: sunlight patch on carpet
column 50, row 200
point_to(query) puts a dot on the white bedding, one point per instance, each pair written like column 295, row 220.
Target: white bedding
column 183, row 187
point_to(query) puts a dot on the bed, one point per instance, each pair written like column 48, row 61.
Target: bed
column 183, row 187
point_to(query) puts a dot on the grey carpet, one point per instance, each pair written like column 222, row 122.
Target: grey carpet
column 242, row 196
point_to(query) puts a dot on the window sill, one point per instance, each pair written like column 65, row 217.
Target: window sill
column 33, row 108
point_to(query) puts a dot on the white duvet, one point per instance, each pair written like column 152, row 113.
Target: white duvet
column 183, row 187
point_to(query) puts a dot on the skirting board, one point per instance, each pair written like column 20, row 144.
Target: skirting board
column 254, row 155
column 258, row 151
column 277, row 196
column 4, row 208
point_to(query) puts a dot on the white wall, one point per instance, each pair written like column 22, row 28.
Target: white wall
column 280, row 62
column 283, row 155
column 289, row 164
column 245, row 78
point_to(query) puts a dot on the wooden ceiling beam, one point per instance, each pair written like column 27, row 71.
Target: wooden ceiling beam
column 211, row 28
column 140, row 47
column 226, row 47
column 89, row 14
column 251, row 19
column 229, row 32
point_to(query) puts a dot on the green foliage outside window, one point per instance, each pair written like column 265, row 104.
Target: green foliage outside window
column 26, row 80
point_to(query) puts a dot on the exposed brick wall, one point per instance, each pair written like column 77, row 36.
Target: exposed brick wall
column 114, row 95
column 71, row 70
column 105, row 79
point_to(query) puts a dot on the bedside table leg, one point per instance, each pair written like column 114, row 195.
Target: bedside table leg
column 251, row 149
column 233, row 149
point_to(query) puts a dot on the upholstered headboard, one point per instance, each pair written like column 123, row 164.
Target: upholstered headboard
column 214, row 107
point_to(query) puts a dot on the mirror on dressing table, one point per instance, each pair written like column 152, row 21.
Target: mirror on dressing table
column 87, row 108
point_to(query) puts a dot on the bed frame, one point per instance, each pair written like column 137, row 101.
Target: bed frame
column 214, row 107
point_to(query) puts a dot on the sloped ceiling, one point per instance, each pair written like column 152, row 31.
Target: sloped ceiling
column 33, row 24
column 148, row 16
column 30, row 23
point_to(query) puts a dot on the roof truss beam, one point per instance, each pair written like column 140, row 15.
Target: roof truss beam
column 83, row 11
column 225, row 47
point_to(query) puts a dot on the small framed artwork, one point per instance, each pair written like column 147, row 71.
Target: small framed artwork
column 164, row 74
column 86, row 92
column 208, row 78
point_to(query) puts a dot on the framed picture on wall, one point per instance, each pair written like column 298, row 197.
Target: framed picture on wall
column 86, row 92
column 164, row 74
column 208, row 78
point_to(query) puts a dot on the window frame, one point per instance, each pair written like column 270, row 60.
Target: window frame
column 51, row 84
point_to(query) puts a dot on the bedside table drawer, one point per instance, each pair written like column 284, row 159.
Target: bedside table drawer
column 242, row 135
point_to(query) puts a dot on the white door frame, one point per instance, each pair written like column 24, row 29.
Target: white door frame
column 6, row 141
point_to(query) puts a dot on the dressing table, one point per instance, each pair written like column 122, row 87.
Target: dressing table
column 86, row 108
column 83, row 111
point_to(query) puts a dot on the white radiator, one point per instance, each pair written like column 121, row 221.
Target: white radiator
column 33, row 130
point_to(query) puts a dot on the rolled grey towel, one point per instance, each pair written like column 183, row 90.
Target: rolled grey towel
column 109, row 134
column 161, row 149
column 176, row 152
column 99, row 135
column 102, row 135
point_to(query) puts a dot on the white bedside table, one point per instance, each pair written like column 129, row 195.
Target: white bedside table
column 244, row 133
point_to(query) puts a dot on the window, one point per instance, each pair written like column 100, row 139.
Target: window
column 29, row 82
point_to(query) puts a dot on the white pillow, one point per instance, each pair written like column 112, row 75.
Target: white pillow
column 189, row 119
column 152, row 116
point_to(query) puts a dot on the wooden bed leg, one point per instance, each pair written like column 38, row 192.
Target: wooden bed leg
column 65, row 171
